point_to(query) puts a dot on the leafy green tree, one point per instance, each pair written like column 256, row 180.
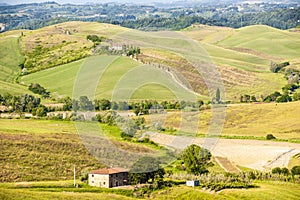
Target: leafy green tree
column 75, row 105
column 289, row 87
column 67, row 103
column 85, row 104
column 98, row 118
column 296, row 96
column 196, row 159
column 253, row 98
column 272, row 97
column 102, row 104
column 285, row 171
column 40, row 111
column 94, row 38
column 276, row 170
column 145, row 169
column 295, row 170
column 283, row 98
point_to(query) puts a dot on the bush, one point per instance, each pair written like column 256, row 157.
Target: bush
column 126, row 136
column 283, row 98
column 38, row 89
column 270, row 137
column 296, row 170
column 94, row 38
column 277, row 67
column 40, row 111
column 285, row 171
column 97, row 118
column 276, row 170
column 296, row 96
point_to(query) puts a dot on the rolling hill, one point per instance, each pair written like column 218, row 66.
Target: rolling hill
column 11, row 57
column 171, row 65
column 241, row 57
column 116, row 74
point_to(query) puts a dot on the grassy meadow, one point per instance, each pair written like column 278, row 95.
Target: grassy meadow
column 268, row 40
column 58, row 190
column 64, row 190
column 44, row 152
column 11, row 57
column 48, row 150
column 265, row 190
column 105, row 76
column 244, row 67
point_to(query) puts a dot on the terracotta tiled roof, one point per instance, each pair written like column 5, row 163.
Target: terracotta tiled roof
column 108, row 171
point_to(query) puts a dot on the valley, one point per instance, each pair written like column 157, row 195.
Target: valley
column 89, row 95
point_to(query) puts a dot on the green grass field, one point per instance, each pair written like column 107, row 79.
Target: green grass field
column 110, row 76
column 244, row 67
column 58, row 190
column 265, row 190
column 39, row 150
column 11, row 57
column 268, row 40
column 64, row 190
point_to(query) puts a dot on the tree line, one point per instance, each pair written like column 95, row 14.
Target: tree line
column 26, row 102
column 138, row 107
column 23, row 103
column 36, row 16
column 288, row 92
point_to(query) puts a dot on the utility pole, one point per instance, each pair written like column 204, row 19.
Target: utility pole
column 74, row 176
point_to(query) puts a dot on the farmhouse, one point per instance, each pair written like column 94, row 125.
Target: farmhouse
column 108, row 177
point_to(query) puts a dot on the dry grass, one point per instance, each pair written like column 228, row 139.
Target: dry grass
column 294, row 161
column 36, row 150
column 242, row 120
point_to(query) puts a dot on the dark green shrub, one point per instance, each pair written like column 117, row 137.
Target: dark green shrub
column 270, row 137
column 296, row 170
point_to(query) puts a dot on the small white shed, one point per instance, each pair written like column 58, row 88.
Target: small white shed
column 192, row 183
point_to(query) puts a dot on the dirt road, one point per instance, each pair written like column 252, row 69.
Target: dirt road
column 255, row 154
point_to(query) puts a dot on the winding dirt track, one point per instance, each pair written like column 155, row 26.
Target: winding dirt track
column 255, row 154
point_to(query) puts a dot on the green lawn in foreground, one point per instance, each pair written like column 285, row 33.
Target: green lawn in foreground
column 64, row 190
column 265, row 190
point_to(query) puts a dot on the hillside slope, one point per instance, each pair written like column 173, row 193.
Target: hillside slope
column 118, row 76
column 241, row 56
column 11, row 58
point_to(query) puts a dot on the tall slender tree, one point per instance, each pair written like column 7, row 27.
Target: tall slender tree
column 218, row 95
